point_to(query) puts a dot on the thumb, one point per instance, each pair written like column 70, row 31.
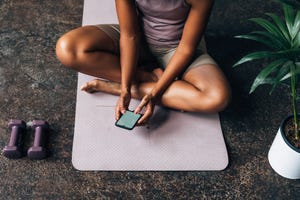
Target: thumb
column 123, row 110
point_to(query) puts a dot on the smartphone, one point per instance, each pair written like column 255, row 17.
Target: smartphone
column 128, row 120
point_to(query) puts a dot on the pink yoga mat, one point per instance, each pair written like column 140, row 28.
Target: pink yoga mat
column 172, row 141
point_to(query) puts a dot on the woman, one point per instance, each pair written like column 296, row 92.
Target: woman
column 152, row 55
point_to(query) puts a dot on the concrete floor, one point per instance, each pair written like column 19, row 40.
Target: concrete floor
column 33, row 85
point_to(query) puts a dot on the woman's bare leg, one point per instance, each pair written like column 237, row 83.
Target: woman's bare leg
column 203, row 89
column 91, row 51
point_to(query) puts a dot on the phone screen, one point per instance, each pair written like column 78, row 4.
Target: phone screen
column 128, row 120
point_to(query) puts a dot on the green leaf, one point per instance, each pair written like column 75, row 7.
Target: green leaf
column 296, row 72
column 271, row 28
column 282, row 72
column 262, row 76
column 296, row 41
column 279, row 43
column 254, row 56
column 296, row 27
column 282, row 27
column 291, row 54
column 295, row 4
column 289, row 17
column 260, row 39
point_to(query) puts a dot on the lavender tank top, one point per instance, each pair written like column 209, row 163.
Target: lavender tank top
column 163, row 20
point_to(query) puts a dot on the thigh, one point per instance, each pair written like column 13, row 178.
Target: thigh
column 113, row 32
column 91, row 38
column 208, row 78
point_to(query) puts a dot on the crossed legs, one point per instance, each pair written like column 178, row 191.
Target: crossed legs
column 89, row 50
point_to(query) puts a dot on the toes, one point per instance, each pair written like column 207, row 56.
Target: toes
column 89, row 87
column 83, row 87
column 101, row 86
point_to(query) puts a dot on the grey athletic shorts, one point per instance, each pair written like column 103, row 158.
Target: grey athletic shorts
column 153, row 57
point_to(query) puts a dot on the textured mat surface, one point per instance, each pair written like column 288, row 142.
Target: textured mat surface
column 172, row 141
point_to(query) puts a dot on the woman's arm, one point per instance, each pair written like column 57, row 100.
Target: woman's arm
column 129, row 45
column 192, row 34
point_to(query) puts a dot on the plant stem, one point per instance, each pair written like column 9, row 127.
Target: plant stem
column 293, row 85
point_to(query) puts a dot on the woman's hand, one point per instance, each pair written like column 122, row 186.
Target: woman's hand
column 122, row 104
column 148, row 102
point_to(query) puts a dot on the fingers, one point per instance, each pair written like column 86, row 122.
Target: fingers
column 119, row 111
column 122, row 105
column 148, row 103
column 143, row 103
column 145, row 118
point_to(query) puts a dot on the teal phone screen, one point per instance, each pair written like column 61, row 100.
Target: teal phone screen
column 128, row 120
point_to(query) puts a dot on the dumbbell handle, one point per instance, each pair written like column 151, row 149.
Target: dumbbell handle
column 39, row 136
column 14, row 136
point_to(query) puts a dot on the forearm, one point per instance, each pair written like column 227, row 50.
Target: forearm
column 128, row 59
column 177, row 64
column 192, row 34
column 129, row 41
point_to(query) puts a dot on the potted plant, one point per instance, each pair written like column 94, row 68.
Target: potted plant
column 281, row 37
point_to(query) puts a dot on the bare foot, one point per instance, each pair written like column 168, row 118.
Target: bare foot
column 98, row 85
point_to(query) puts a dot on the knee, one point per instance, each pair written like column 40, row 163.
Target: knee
column 66, row 51
column 218, row 100
column 212, row 101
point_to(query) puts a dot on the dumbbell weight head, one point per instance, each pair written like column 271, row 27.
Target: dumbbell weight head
column 39, row 151
column 14, row 149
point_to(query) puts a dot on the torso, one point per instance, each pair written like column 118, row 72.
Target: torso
column 163, row 20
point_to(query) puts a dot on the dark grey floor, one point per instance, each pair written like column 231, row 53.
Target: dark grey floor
column 33, row 85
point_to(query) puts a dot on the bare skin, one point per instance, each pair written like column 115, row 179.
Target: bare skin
column 89, row 50
column 114, row 88
column 192, row 100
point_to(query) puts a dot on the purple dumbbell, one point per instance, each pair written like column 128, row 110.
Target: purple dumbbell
column 39, row 151
column 14, row 148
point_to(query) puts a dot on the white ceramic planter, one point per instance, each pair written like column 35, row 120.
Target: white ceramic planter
column 283, row 157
